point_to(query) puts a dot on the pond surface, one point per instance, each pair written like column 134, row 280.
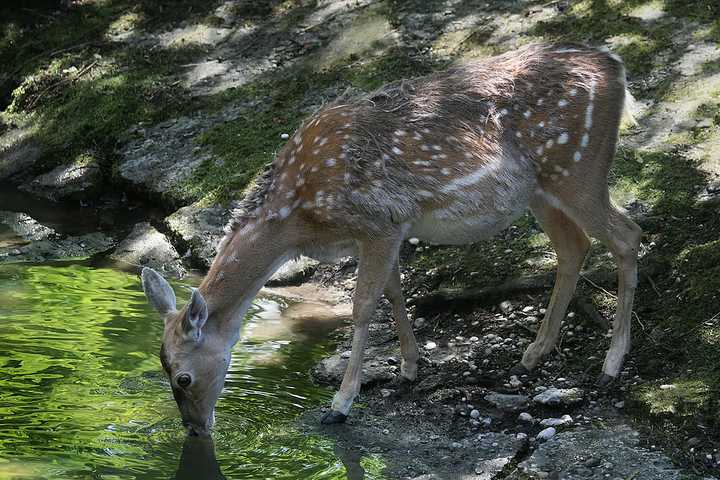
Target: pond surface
column 82, row 394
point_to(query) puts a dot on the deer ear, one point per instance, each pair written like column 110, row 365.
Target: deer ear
column 158, row 291
column 196, row 316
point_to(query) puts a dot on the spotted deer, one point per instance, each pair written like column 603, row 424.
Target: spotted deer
column 450, row 158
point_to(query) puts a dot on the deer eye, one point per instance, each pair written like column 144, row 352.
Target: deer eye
column 184, row 380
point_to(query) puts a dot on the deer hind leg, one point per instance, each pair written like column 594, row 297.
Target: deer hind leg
column 622, row 237
column 601, row 220
column 377, row 258
column 408, row 344
column 571, row 245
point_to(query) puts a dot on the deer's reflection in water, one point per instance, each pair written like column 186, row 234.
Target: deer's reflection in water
column 198, row 460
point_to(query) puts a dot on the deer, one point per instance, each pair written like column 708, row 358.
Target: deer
column 449, row 158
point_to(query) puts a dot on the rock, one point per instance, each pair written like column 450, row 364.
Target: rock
column 200, row 229
column 75, row 180
column 147, row 247
column 330, row 370
column 546, row 434
column 617, row 445
column 507, row 403
column 18, row 152
column 293, row 272
column 25, row 226
column 385, row 392
column 430, row 346
column 667, row 387
column 526, row 417
column 475, row 414
column 162, row 158
column 559, row 396
column 506, row 307
column 557, row 422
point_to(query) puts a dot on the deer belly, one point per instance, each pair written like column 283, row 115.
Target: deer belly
column 456, row 230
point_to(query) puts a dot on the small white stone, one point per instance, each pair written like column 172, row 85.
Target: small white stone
column 413, row 241
column 667, row 387
column 526, row 417
column 397, row 151
column 563, row 138
column 284, row 136
column 546, row 434
column 475, row 414
column 345, row 354
column 430, row 346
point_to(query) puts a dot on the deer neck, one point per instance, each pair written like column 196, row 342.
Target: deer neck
column 248, row 258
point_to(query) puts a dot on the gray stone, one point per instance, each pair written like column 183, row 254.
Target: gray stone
column 557, row 422
column 200, row 229
column 618, row 444
column 546, row 434
column 293, row 272
column 66, row 181
column 559, row 396
column 18, row 152
column 330, row 370
column 146, row 247
column 507, row 403
column 162, row 158
column 25, row 226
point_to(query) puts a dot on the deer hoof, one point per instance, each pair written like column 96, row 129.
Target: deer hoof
column 518, row 370
column 605, row 380
column 333, row 417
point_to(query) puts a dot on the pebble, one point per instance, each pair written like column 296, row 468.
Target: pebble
column 521, row 436
column 619, row 405
column 506, row 307
column 284, row 136
column 667, row 387
column 526, row 417
column 515, row 382
column 345, row 354
column 474, row 339
column 559, row 396
column 557, row 422
column 546, row 434
column 430, row 345
column 386, row 392
column 413, row 241
column 528, row 309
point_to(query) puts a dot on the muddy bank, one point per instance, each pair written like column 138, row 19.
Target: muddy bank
column 465, row 417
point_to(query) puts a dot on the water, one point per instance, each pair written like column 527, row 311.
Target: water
column 82, row 394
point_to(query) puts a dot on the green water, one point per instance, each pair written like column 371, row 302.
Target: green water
column 82, row 394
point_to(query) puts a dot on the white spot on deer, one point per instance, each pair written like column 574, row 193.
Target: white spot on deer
column 585, row 140
column 563, row 138
column 577, row 156
column 562, row 103
column 330, row 162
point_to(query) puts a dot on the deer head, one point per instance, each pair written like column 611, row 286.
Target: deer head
column 195, row 353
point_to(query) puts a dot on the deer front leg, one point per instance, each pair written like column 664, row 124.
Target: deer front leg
column 377, row 257
column 408, row 345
